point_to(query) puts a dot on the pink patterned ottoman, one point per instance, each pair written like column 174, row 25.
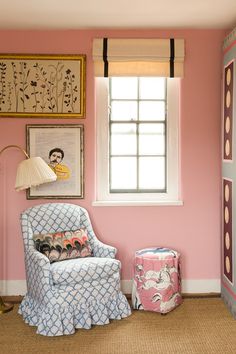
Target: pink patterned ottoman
column 157, row 282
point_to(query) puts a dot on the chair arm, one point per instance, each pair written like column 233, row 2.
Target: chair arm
column 100, row 249
column 39, row 258
column 38, row 274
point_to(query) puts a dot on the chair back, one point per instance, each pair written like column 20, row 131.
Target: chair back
column 54, row 217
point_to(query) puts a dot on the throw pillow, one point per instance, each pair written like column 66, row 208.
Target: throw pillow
column 63, row 245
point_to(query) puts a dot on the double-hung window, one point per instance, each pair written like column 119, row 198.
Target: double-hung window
column 137, row 126
column 137, row 140
column 137, row 120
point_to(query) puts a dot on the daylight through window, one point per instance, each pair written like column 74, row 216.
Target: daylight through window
column 137, row 130
column 137, row 155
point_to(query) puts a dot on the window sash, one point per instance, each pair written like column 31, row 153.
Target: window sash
column 103, row 197
column 137, row 156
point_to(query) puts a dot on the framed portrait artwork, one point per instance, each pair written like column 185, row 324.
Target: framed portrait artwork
column 61, row 146
column 42, row 86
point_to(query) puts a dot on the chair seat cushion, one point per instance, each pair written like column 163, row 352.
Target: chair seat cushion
column 82, row 270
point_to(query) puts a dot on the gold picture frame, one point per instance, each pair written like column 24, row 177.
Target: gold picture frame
column 41, row 86
column 62, row 147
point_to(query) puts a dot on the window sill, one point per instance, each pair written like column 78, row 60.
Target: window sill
column 102, row 203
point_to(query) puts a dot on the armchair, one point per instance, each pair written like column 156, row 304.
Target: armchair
column 73, row 293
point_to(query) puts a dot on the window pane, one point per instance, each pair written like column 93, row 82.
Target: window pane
column 124, row 87
column 151, row 139
column 124, row 110
column 152, row 173
column 123, row 139
column 152, row 87
column 153, row 110
column 123, row 173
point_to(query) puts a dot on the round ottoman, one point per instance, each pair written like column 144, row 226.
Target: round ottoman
column 157, row 281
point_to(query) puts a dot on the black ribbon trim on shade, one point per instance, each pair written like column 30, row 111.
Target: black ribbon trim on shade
column 172, row 57
column 105, row 57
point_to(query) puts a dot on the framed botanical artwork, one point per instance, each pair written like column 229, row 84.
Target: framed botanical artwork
column 61, row 146
column 42, row 86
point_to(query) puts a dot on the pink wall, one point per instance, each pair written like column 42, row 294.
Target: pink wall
column 194, row 228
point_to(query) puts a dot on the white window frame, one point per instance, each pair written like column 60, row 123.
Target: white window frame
column 103, row 197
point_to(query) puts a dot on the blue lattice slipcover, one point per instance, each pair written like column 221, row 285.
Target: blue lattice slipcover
column 69, row 294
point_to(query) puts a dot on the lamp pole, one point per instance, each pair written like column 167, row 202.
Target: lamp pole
column 17, row 147
column 33, row 172
column 5, row 307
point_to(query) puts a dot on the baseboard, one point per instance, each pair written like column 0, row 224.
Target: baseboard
column 12, row 287
column 201, row 286
column 190, row 287
column 200, row 295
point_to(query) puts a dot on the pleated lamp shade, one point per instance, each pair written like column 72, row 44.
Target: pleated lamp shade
column 33, row 172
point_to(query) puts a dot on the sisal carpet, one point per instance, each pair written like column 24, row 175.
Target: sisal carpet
column 199, row 325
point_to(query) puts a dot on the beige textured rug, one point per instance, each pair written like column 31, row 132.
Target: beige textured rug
column 201, row 326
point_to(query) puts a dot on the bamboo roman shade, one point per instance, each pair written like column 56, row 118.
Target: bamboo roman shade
column 138, row 57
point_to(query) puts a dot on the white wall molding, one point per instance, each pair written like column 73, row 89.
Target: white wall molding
column 190, row 286
column 201, row 286
column 12, row 287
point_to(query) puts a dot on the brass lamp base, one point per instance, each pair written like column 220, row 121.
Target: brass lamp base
column 5, row 307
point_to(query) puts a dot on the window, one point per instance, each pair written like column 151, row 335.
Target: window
column 137, row 125
column 137, row 140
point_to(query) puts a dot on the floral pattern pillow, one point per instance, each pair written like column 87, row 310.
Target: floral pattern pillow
column 63, row 245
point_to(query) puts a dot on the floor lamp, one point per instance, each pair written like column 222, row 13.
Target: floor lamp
column 30, row 172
